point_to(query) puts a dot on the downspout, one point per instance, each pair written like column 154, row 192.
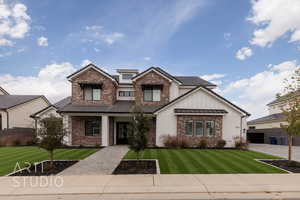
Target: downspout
column 7, row 119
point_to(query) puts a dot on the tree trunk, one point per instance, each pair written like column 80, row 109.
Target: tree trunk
column 290, row 138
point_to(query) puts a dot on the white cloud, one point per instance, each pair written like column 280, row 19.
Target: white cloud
column 214, row 78
column 255, row 92
column 243, row 53
column 112, row 37
column 93, row 27
column 147, row 58
column 275, row 20
column 8, row 53
column 14, row 22
column 85, row 62
column 42, row 41
column 50, row 81
column 227, row 36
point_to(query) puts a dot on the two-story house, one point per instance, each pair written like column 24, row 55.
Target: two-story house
column 183, row 106
column 267, row 129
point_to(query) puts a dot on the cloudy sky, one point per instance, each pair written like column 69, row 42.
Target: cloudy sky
column 247, row 47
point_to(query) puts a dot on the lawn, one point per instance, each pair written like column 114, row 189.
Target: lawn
column 9, row 156
column 211, row 161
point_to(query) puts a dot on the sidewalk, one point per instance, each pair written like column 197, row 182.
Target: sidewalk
column 198, row 186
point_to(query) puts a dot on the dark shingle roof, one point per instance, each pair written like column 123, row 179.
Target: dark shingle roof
column 8, row 101
column 62, row 103
column 193, row 81
column 215, row 111
column 118, row 107
column 269, row 118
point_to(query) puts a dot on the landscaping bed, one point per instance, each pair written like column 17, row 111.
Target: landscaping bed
column 44, row 169
column 293, row 167
column 136, row 167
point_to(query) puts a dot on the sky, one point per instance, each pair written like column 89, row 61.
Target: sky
column 246, row 47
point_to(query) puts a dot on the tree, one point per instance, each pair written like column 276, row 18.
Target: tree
column 291, row 109
column 140, row 127
column 51, row 134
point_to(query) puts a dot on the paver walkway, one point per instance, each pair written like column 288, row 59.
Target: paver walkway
column 277, row 150
column 101, row 162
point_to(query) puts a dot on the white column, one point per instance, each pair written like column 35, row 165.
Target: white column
column 105, row 130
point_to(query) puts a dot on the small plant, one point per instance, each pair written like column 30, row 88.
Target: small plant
column 16, row 142
column 241, row 143
column 170, row 141
column 97, row 145
column 203, row 144
column 221, row 144
column 184, row 143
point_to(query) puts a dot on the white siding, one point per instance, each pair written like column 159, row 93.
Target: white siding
column 267, row 125
column 4, row 119
column 47, row 113
column 174, row 91
column 166, row 123
column 184, row 90
column 19, row 116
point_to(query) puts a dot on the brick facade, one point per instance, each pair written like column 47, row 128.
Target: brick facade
column 152, row 133
column 148, row 79
column 212, row 141
column 108, row 93
column 78, row 133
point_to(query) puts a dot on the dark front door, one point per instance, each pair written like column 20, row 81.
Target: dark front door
column 123, row 130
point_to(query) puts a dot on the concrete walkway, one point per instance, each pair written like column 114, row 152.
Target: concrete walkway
column 277, row 150
column 177, row 186
column 101, row 162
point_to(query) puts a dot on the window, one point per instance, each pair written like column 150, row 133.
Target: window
column 210, row 126
column 252, row 127
column 199, row 128
column 126, row 93
column 152, row 93
column 92, row 127
column 92, row 94
column 127, row 76
column 189, row 127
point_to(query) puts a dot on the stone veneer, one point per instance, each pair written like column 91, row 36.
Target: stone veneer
column 212, row 141
column 148, row 79
column 78, row 132
column 108, row 93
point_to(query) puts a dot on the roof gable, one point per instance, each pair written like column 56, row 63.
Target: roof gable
column 91, row 66
column 9, row 101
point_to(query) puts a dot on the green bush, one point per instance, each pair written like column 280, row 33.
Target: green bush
column 241, row 143
column 203, row 144
column 221, row 144
column 16, row 142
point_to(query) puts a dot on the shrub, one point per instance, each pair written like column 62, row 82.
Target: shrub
column 31, row 142
column 170, row 141
column 241, row 143
column 221, row 144
column 184, row 143
column 16, row 142
column 202, row 144
column 97, row 146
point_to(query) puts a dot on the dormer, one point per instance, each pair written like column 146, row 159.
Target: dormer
column 125, row 75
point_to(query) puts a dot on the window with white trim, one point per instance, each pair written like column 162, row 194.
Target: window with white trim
column 199, row 128
column 152, row 93
column 126, row 93
column 92, row 93
column 210, row 128
column 189, row 127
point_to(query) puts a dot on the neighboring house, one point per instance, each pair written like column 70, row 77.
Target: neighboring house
column 184, row 106
column 267, row 129
column 50, row 110
column 15, row 110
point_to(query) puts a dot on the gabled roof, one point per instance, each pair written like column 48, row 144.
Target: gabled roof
column 207, row 90
column 92, row 66
column 159, row 71
column 9, row 101
column 269, row 118
column 4, row 91
column 193, row 81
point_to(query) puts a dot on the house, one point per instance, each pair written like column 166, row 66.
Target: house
column 50, row 110
column 184, row 106
column 267, row 129
column 15, row 110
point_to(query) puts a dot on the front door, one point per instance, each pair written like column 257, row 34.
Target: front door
column 123, row 129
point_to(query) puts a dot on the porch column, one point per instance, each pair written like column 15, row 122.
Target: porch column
column 67, row 124
column 105, row 130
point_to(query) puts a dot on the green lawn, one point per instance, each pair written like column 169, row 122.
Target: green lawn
column 9, row 156
column 197, row 161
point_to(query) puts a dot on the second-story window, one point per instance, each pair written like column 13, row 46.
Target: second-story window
column 126, row 93
column 127, row 76
column 92, row 93
column 152, row 93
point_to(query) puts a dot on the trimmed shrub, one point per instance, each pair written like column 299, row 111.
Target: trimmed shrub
column 202, row 144
column 241, row 143
column 170, row 141
column 184, row 143
column 16, row 142
column 221, row 144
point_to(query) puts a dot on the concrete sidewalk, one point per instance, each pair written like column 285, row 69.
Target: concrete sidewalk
column 197, row 186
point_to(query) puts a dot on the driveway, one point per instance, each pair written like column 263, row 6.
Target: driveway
column 101, row 162
column 277, row 150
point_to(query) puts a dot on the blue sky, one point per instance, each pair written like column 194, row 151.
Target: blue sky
column 244, row 46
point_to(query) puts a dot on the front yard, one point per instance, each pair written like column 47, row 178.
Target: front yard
column 210, row 161
column 9, row 156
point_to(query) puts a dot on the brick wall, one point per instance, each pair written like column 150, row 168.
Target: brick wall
column 212, row 141
column 108, row 95
column 152, row 78
column 78, row 132
column 8, row 136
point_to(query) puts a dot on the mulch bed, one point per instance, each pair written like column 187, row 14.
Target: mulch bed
column 292, row 166
column 43, row 169
column 136, row 167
